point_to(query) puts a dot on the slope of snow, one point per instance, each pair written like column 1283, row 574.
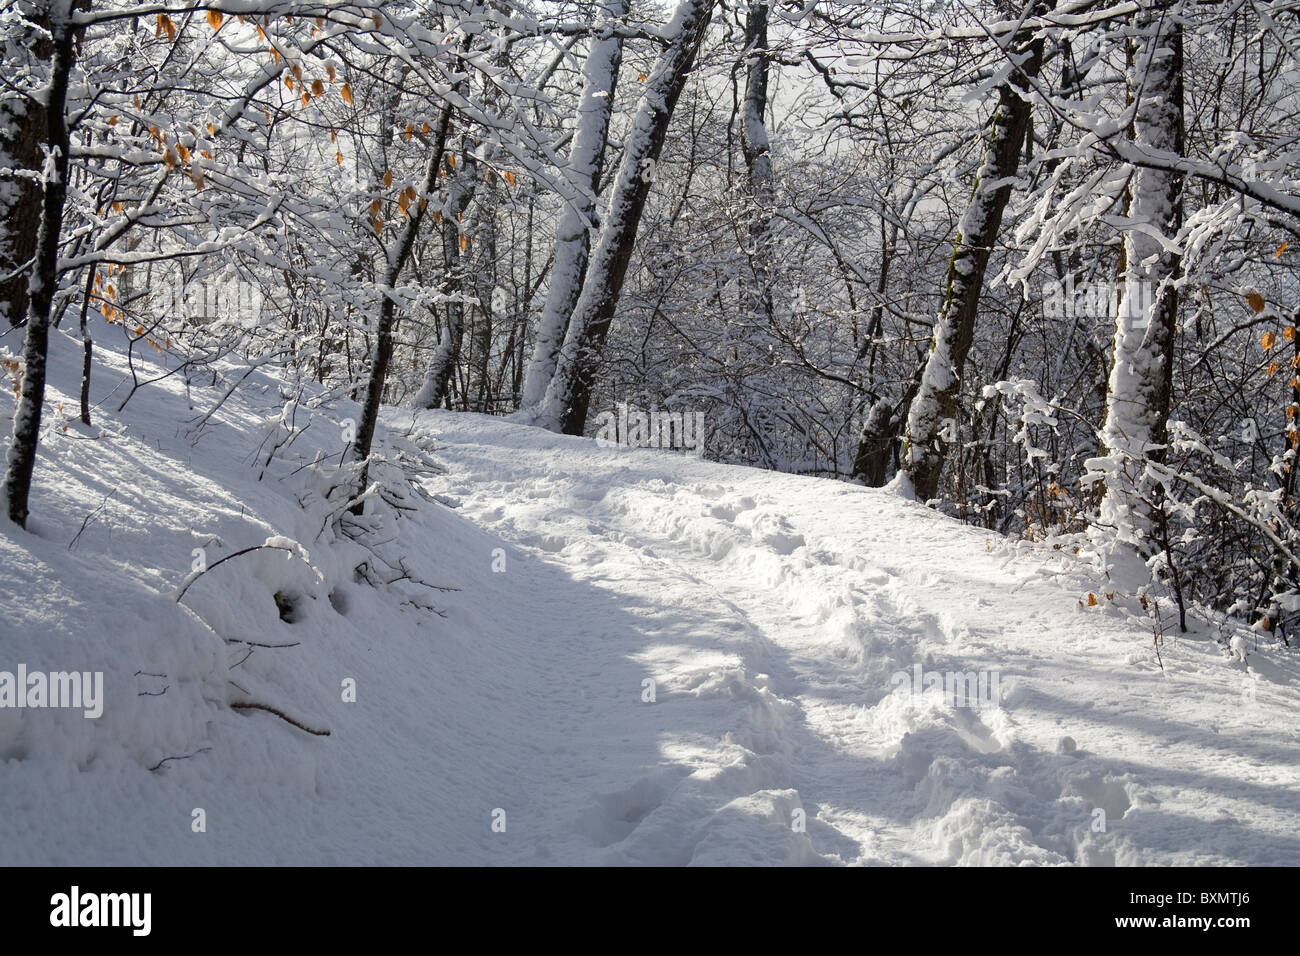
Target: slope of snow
column 649, row 659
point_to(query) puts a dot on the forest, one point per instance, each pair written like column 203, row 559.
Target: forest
column 1030, row 258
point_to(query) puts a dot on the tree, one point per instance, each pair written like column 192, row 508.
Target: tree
column 1140, row 386
column 25, row 35
column 578, row 218
column 42, row 281
column 932, row 421
column 568, row 395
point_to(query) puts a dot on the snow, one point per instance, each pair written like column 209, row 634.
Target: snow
column 648, row 659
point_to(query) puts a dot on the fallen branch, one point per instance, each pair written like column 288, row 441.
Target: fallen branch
column 201, row 750
column 281, row 714
column 195, row 575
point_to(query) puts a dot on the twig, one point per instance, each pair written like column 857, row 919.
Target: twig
column 85, row 522
column 281, row 714
column 201, row 750
column 256, row 547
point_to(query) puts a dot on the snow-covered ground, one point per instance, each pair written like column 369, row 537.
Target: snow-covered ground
column 648, row 659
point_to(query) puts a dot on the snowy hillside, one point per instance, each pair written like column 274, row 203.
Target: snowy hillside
column 646, row 658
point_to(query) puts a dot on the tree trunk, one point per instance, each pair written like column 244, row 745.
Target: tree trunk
column 398, row 251
column 880, row 430
column 24, row 124
column 756, row 148
column 21, row 459
column 1138, row 394
column 572, row 233
column 932, row 420
column 485, row 255
column 568, row 396
column 437, row 374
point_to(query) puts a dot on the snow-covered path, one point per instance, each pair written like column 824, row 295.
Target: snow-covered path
column 773, row 613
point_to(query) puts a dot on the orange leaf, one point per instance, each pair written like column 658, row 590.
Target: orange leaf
column 464, row 242
column 214, row 19
column 379, row 225
column 640, row 78
column 509, row 177
column 409, row 131
column 338, row 158
column 288, row 81
column 375, row 206
column 388, row 178
column 329, row 71
column 1280, row 249
column 1268, row 340
column 451, row 160
column 1092, row 599
column 424, row 128
column 317, row 87
column 1272, row 369
column 345, row 91
column 306, row 98
column 1256, row 301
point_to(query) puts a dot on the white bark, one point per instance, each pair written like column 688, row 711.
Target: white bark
column 572, row 242
column 1138, row 392
column 567, row 395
